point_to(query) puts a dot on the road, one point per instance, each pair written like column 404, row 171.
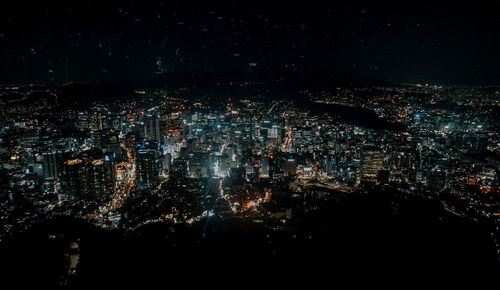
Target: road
column 120, row 194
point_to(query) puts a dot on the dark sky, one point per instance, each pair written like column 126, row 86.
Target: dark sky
column 88, row 41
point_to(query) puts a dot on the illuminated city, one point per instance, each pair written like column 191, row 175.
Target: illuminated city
column 196, row 166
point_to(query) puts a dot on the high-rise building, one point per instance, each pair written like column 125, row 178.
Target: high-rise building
column 167, row 161
column 436, row 179
column 75, row 179
column 148, row 168
column 290, row 166
column 88, row 176
column 265, row 166
column 372, row 161
column 115, row 149
column 152, row 127
column 100, row 177
column 49, row 165
column 273, row 132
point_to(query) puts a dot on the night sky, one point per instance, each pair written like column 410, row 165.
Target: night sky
column 88, row 41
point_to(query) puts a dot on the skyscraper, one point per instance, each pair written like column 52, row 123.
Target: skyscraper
column 49, row 165
column 88, row 177
column 148, row 168
column 372, row 161
column 75, row 179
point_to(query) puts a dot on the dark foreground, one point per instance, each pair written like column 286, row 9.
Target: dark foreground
column 219, row 251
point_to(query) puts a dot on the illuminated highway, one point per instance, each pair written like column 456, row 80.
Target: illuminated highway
column 120, row 194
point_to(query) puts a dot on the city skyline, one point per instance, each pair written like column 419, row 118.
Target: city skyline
column 170, row 142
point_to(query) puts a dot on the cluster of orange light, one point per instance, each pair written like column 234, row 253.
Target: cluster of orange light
column 268, row 196
column 73, row 161
column 485, row 188
column 249, row 205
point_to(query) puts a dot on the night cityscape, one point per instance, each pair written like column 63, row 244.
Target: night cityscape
column 144, row 140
